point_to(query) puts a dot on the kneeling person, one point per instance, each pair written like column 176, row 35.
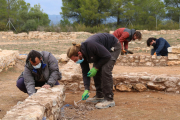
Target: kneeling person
column 41, row 70
column 103, row 50
column 160, row 46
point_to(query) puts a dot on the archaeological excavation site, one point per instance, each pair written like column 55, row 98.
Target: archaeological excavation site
column 145, row 86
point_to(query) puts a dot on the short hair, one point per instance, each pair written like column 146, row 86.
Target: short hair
column 138, row 35
column 150, row 40
column 73, row 50
column 32, row 55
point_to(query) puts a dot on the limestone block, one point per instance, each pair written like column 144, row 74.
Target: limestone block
column 162, row 63
column 133, row 79
column 46, row 102
column 8, row 59
column 163, row 60
column 173, row 56
column 145, row 78
column 153, row 57
column 137, row 48
column 22, row 57
column 137, row 57
column 171, row 89
column 140, row 87
column 81, row 87
column 131, row 58
column 163, row 31
column 134, row 64
column 171, row 83
column 142, row 60
column 149, row 64
column 123, row 87
column 72, row 86
column 137, row 61
column 111, row 32
column 171, row 63
column 175, row 49
column 119, row 78
column 153, row 86
column 160, row 79
column 155, row 61
column 63, row 58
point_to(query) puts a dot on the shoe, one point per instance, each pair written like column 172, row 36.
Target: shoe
column 105, row 104
column 94, row 100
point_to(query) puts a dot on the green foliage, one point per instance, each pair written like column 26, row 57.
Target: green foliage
column 30, row 25
column 173, row 8
column 2, row 26
column 88, row 12
column 168, row 25
column 22, row 16
column 65, row 22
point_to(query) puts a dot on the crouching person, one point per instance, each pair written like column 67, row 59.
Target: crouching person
column 41, row 70
column 101, row 49
column 160, row 46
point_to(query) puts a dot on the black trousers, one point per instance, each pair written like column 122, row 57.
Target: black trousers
column 103, row 79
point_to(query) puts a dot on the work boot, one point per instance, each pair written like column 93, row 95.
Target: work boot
column 94, row 100
column 105, row 104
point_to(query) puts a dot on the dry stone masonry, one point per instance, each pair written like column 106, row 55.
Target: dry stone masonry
column 7, row 59
column 43, row 35
column 160, row 32
column 141, row 60
column 174, row 55
column 44, row 105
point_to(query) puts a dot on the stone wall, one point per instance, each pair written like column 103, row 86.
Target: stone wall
column 43, row 35
column 160, row 32
column 7, row 59
column 67, row 35
column 141, row 60
column 44, row 105
column 174, row 55
column 72, row 79
column 72, row 75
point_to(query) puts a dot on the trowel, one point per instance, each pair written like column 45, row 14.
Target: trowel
column 75, row 103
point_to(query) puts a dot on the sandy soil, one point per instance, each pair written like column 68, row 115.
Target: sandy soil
column 129, row 105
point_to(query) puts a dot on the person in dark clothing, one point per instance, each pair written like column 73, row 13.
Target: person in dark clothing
column 102, row 49
column 41, row 70
column 125, row 35
column 160, row 46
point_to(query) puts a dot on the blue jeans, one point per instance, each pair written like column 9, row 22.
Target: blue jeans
column 20, row 84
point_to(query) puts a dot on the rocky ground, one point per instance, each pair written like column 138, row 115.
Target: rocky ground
column 129, row 105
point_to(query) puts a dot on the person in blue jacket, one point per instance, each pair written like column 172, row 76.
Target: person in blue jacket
column 160, row 46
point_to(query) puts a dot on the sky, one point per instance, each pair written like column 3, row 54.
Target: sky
column 51, row 7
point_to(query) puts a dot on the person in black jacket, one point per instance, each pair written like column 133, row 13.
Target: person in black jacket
column 160, row 46
column 102, row 49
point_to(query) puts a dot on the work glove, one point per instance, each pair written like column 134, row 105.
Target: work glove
column 85, row 94
column 155, row 53
column 124, row 51
column 92, row 72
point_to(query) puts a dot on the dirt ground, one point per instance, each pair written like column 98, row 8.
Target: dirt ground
column 129, row 105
